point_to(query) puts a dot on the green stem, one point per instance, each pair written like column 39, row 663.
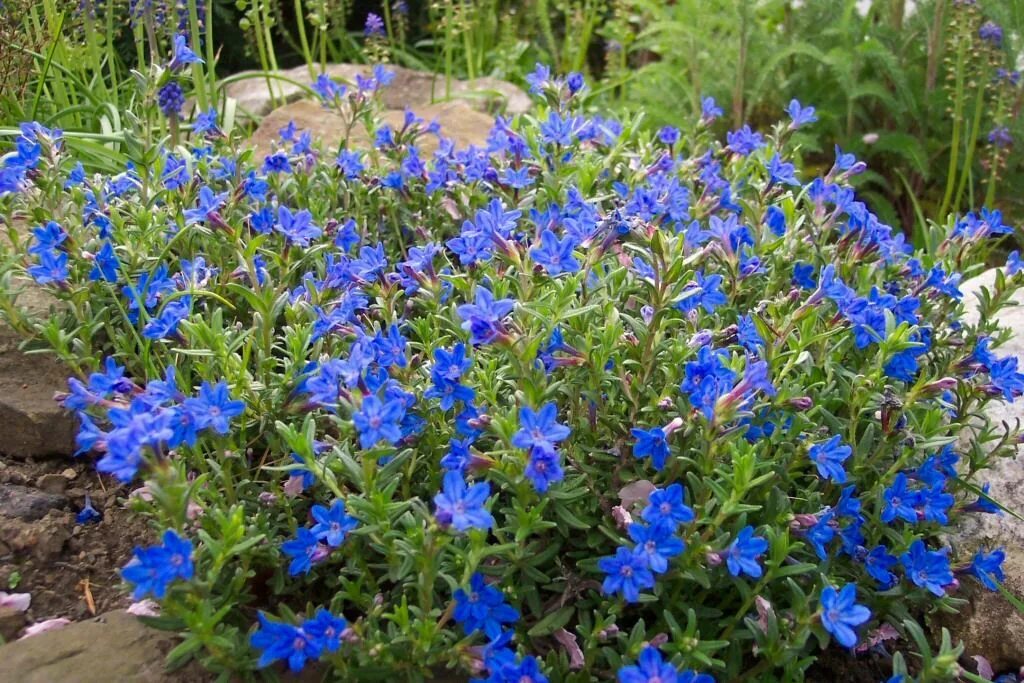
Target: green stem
column 972, row 141
column 198, row 75
column 300, row 20
column 958, row 113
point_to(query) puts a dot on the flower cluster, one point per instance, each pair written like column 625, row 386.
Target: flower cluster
column 626, row 376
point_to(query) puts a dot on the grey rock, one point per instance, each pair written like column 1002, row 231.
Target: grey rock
column 989, row 625
column 411, row 88
column 28, row 504
column 113, row 647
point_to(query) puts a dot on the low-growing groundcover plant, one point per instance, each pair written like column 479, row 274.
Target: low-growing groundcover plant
column 586, row 404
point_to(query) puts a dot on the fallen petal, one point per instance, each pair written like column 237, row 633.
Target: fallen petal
column 18, row 601
column 44, row 626
column 144, row 608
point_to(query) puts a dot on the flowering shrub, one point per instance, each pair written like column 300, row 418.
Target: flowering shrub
column 586, row 403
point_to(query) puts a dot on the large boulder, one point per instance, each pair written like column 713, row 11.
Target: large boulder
column 989, row 625
column 113, row 647
column 460, row 122
column 411, row 89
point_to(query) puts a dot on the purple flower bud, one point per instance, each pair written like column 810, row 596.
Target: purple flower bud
column 658, row 640
column 702, row 338
column 801, row 403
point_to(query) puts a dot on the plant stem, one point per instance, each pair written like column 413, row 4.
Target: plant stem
column 300, row 21
column 198, row 75
column 958, row 107
column 972, row 142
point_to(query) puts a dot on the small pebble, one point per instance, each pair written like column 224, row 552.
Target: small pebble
column 52, row 483
column 69, row 473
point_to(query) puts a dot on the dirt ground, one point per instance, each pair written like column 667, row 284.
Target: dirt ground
column 70, row 568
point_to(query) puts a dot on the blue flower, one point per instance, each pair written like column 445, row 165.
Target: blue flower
column 1005, row 378
column 822, row 533
column 483, row 608
column 278, row 641
column 656, row 544
column 539, row 430
column 707, row 379
column 936, row 503
column 378, row 421
column 703, row 291
column 206, row 123
column 327, row 89
column 166, row 324
column 539, row 78
column 106, row 264
column 462, row 506
column 182, row 55
column 555, row 255
column 829, row 456
column 472, row 245
column 88, row 513
column 900, row 501
column 1013, row 263
column 451, row 365
column 277, row 162
column 332, row 525
column 51, row 269
column 214, row 407
column 651, row 668
column 840, row 613
column 209, row 204
column 800, row 115
column 153, row 569
column 297, row 227
column 350, row 163
column 482, row 319
column 390, row 347
column 741, row 557
column 651, row 443
column 988, row 567
column 709, row 109
column 458, row 455
column 781, row 172
column 304, row 549
column 878, row 562
column 325, row 630
column 775, row 219
column 927, row 568
column 49, row 237
column 627, row 573
column 543, row 468
column 666, row 507
column 803, row 275
column 744, row 141
column 559, row 131
column 748, row 336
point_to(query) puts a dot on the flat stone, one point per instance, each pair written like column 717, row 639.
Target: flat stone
column 33, row 423
column 115, row 646
column 28, row 504
column 460, row 122
column 989, row 625
column 411, row 88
